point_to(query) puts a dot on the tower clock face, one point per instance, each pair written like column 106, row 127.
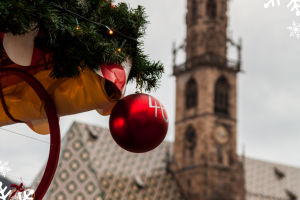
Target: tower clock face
column 221, row 135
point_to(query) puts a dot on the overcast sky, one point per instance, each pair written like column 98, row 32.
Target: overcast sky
column 268, row 89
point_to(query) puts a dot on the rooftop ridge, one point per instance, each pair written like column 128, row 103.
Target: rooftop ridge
column 271, row 162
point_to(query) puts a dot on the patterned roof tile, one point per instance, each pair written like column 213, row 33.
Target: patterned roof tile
column 93, row 166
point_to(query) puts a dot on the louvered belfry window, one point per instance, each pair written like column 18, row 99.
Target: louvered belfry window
column 221, row 96
column 211, row 9
column 190, row 139
column 191, row 94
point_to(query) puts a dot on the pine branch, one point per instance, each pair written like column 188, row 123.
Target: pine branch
column 75, row 46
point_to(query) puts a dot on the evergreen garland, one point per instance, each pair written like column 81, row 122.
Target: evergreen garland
column 76, row 43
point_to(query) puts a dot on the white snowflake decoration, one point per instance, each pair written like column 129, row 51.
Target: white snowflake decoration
column 27, row 194
column 2, row 191
column 23, row 195
column 4, row 168
column 295, row 6
column 266, row 5
column 294, row 30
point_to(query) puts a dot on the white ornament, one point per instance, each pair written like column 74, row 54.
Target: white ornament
column 26, row 195
column 266, row 5
column 294, row 30
column 2, row 191
column 19, row 48
column 295, row 6
column 4, row 168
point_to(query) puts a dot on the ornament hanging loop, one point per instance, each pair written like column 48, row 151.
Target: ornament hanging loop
column 139, row 82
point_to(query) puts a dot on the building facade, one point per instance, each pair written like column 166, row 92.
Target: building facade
column 93, row 167
column 206, row 165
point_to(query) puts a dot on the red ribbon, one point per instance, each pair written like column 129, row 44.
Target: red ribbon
column 18, row 188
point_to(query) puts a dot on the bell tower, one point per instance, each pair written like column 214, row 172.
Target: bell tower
column 205, row 164
column 206, row 27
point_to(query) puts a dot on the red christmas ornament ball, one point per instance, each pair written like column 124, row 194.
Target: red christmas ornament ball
column 138, row 123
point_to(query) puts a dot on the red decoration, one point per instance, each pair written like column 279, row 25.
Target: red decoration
column 53, row 124
column 18, row 188
column 138, row 123
column 112, row 5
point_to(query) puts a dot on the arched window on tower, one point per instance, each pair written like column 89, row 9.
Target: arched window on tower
column 190, row 139
column 221, row 96
column 220, row 154
column 211, row 9
column 191, row 94
column 194, row 11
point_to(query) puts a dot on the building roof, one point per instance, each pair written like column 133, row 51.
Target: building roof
column 266, row 180
column 92, row 166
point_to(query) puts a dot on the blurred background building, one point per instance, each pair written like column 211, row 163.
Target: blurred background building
column 202, row 163
column 206, row 165
column 93, row 167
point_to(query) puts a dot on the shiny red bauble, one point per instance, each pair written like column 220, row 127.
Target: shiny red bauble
column 138, row 123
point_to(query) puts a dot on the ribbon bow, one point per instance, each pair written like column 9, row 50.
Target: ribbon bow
column 18, row 188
